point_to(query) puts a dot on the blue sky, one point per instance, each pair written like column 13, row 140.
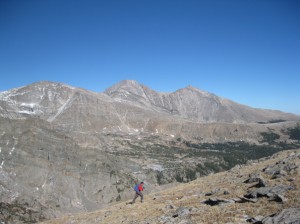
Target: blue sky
column 244, row 50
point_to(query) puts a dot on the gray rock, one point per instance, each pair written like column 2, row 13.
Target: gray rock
column 165, row 218
column 281, row 168
column 286, row 216
column 217, row 201
column 226, row 192
column 254, row 177
column 212, row 192
column 274, row 193
column 243, row 200
column 181, row 212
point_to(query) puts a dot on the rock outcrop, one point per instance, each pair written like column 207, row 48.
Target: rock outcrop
column 290, row 215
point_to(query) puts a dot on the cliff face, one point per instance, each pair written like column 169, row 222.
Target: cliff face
column 65, row 149
column 46, row 171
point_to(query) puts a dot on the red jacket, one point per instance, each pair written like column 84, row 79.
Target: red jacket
column 140, row 187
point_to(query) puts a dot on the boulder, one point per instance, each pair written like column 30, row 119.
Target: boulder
column 217, row 201
column 290, row 215
column 274, row 193
column 254, row 177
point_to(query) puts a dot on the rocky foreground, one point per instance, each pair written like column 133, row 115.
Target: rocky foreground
column 263, row 191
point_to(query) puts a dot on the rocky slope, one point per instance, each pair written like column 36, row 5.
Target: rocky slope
column 65, row 149
column 263, row 191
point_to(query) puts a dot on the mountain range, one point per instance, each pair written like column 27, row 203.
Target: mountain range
column 66, row 149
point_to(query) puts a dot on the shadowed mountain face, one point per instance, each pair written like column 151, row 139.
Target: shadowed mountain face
column 66, row 149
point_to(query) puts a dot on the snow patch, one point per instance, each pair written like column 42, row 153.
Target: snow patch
column 156, row 167
column 26, row 112
column 31, row 105
column 2, row 164
column 29, row 108
column 12, row 150
column 14, row 147
column 50, row 96
column 76, row 204
column 60, row 110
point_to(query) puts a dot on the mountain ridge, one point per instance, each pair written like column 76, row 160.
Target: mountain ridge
column 150, row 97
column 131, row 106
column 174, row 103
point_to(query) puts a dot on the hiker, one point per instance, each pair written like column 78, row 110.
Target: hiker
column 138, row 192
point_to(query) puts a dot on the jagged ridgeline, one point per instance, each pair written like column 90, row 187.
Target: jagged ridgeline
column 65, row 149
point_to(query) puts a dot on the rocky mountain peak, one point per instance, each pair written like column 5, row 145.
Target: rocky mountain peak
column 40, row 99
column 132, row 92
column 126, row 86
column 191, row 88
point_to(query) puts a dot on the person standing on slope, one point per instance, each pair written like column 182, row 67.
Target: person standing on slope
column 138, row 192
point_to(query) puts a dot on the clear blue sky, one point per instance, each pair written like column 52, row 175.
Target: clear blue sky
column 244, row 50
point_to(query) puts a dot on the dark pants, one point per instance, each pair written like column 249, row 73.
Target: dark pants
column 138, row 193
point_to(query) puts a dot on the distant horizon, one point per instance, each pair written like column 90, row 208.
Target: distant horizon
column 245, row 51
column 183, row 87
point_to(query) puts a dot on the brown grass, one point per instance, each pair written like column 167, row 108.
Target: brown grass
column 190, row 196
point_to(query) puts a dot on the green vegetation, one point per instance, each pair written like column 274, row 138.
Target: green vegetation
column 184, row 161
column 112, row 173
column 118, row 198
column 269, row 137
column 159, row 177
column 272, row 121
column 179, row 178
column 294, row 133
column 191, row 174
column 218, row 157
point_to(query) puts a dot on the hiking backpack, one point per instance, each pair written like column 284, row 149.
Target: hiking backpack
column 136, row 187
